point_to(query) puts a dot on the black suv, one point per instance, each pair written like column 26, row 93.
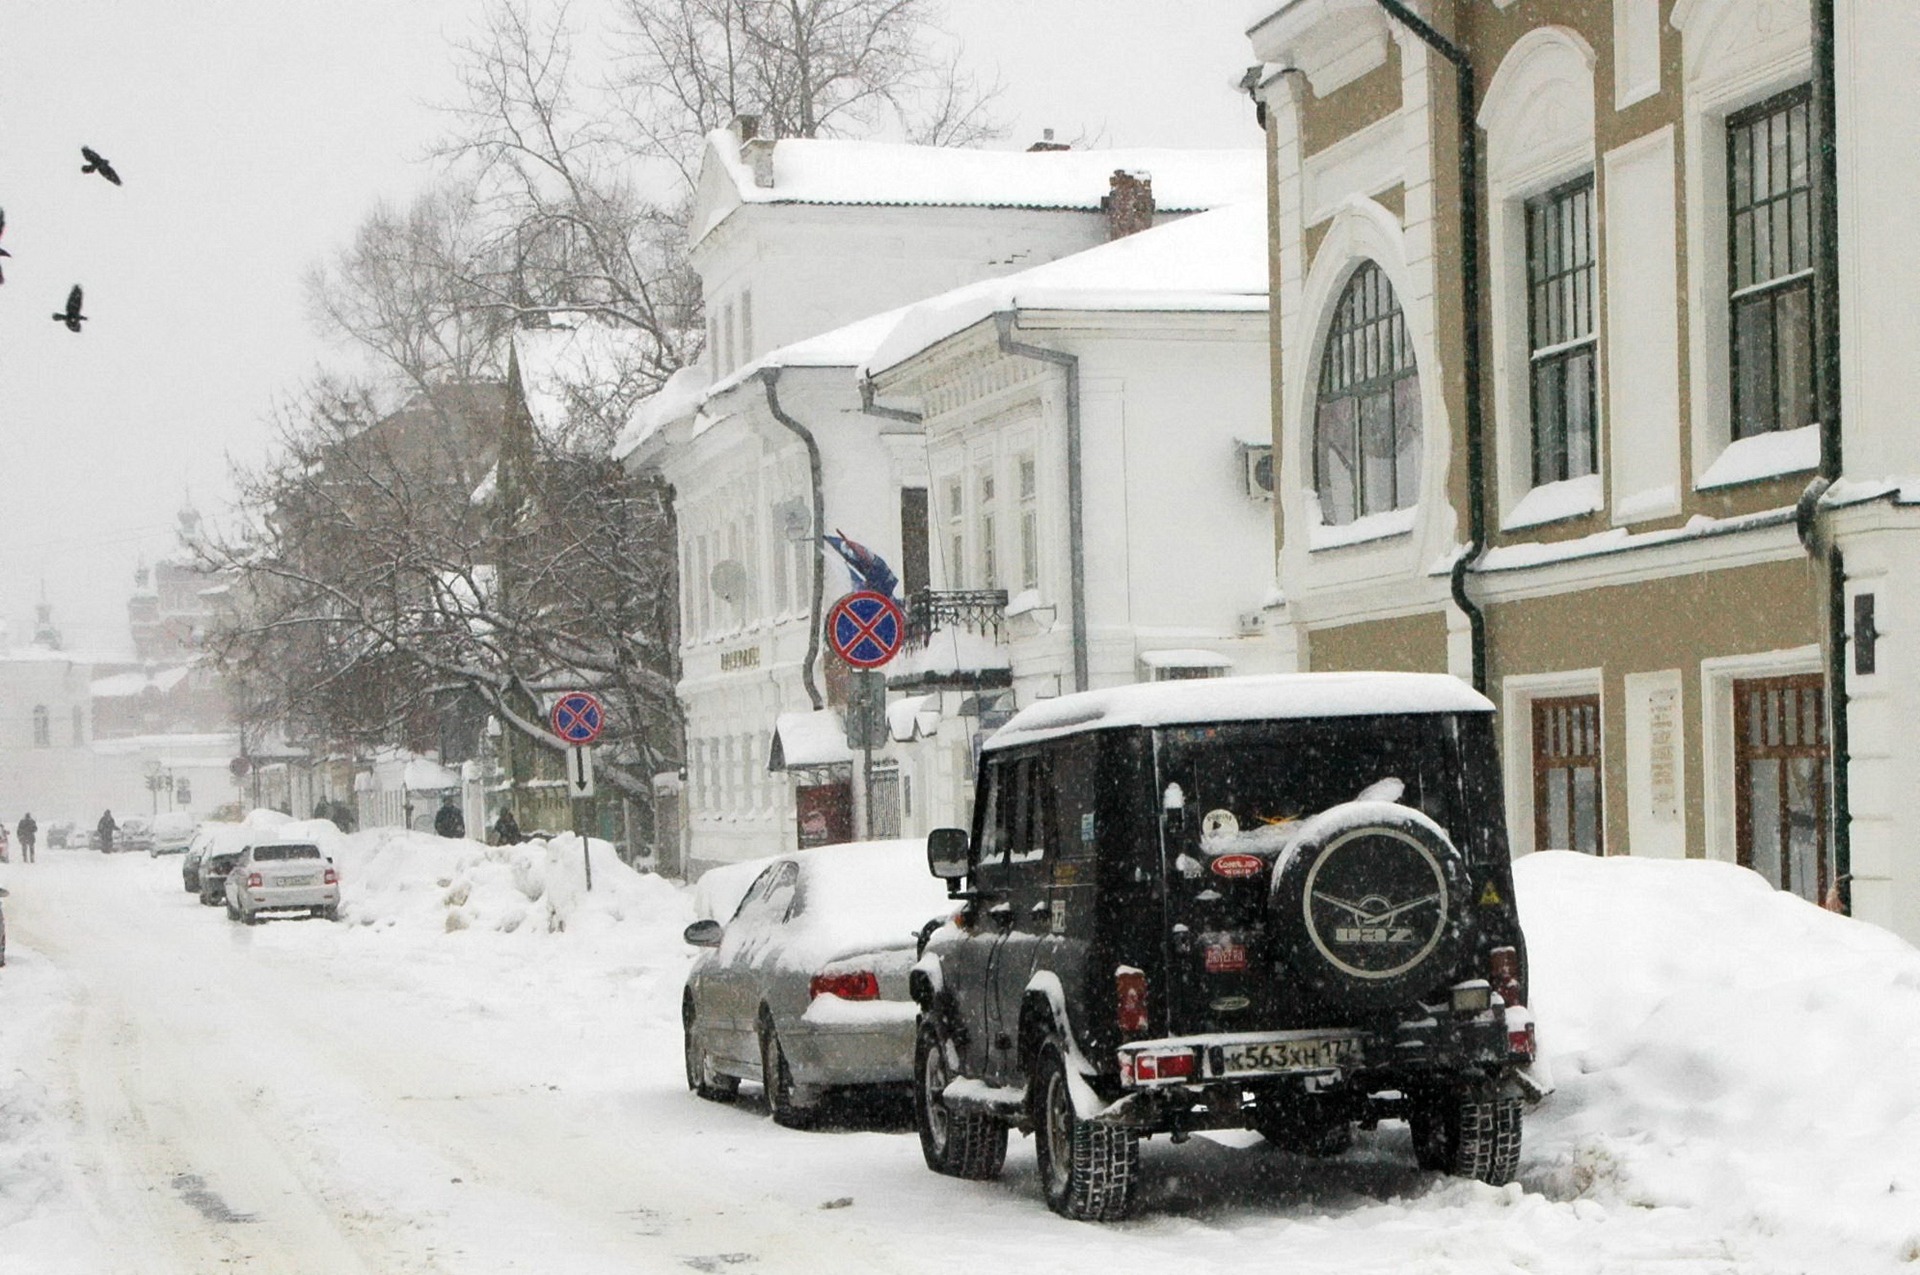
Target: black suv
column 1280, row 903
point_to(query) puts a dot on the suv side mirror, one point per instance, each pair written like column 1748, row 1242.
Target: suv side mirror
column 947, row 853
column 703, row 934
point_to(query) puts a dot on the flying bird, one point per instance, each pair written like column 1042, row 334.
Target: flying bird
column 71, row 316
column 97, row 163
column 3, row 251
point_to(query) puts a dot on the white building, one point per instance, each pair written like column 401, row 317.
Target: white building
column 802, row 248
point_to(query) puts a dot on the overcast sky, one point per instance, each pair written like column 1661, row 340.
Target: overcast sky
column 252, row 138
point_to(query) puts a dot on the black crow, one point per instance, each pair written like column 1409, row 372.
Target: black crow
column 3, row 251
column 71, row 316
column 96, row 163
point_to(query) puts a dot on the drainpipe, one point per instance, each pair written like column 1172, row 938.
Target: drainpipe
column 1470, row 304
column 1827, row 398
column 872, row 408
column 770, row 377
column 1076, row 527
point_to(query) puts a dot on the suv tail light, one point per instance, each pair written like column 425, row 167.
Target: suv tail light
column 1146, row 1067
column 1130, row 999
column 855, row 985
column 1503, row 971
column 253, row 880
column 330, row 877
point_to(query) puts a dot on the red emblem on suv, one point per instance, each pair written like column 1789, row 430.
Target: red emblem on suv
column 1239, row 867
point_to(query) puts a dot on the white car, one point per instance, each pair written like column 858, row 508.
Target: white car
column 805, row 988
column 282, row 876
column 172, row 833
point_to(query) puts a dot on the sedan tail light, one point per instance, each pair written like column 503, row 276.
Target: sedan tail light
column 253, row 881
column 853, row 985
column 330, row 878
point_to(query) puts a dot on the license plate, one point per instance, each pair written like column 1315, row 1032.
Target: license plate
column 306, row 880
column 1316, row 1054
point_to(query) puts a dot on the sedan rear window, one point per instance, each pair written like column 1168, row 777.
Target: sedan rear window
column 268, row 854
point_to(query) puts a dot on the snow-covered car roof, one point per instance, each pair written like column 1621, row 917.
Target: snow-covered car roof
column 1264, row 697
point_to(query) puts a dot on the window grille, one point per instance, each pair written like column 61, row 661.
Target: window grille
column 1367, row 428
column 1770, row 268
column 1561, row 306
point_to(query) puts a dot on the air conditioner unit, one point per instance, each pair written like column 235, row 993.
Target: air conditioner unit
column 1256, row 470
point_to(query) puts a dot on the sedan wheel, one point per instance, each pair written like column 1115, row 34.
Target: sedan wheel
column 778, row 1079
column 701, row 1077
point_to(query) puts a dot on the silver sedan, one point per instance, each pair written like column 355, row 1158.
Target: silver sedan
column 805, row 988
column 282, row 876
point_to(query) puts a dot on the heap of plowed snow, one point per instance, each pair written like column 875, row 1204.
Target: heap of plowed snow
column 1721, row 1046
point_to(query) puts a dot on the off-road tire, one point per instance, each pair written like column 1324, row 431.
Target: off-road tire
column 331, row 912
column 702, row 1079
column 1087, row 1170
column 1367, row 871
column 777, row 1079
column 1469, row 1133
column 233, row 913
column 960, row 1144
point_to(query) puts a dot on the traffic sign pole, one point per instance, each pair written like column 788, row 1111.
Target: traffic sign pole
column 578, row 718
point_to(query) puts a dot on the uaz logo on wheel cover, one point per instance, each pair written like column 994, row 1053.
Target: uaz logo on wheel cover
column 1394, row 924
column 866, row 629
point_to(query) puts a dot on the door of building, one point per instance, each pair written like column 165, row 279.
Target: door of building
column 1567, row 811
column 1780, row 788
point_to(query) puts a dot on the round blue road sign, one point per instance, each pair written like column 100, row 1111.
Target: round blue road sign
column 577, row 718
column 866, row 628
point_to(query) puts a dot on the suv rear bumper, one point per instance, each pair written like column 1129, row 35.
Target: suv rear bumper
column 1214, row 1081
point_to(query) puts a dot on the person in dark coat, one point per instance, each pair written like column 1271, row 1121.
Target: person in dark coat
column 28, row 830
column 106, row 828
column 448, row 821
column 507, row 829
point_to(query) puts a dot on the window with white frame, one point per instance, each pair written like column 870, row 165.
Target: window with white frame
column 726, row 338
column 956, row 535
column 703, row 585
column 1366, row 444
column 1770, row 264
column 746, row 327
column 782, row 594
column 1029, row 488
column 1561, row 304
column 42, row 727
column 989, row 540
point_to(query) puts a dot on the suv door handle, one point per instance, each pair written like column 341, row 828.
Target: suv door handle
column 1002, row 914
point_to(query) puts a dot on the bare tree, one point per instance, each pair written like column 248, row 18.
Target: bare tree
column 804, row 68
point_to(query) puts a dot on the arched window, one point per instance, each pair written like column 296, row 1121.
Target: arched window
column 42, row 730
column 1366, row 434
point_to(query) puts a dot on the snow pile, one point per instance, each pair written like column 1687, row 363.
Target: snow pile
column 392, row 877
column 1723, row 1047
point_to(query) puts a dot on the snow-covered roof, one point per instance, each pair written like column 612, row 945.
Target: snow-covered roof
column 680, row 397
column 1187, row 658
column 1216, row 261
column 426, row 775
column 1240, row 699
column 831, row 171
column 120, row 685
column 562, row 369
column 808, row 739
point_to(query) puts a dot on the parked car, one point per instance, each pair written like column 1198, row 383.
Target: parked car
column 206, row 838
column 172, row 833
column 215, row 864
column 804, row 989
column 1279, row 903
column 134, row 833
column 60, row 834
column 282, row 876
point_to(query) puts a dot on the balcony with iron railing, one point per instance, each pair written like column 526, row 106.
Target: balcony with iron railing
column 955, row 638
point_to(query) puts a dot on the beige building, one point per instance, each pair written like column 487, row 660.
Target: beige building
column 1555, row 331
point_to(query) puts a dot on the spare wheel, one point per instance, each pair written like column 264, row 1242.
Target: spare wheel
column 1367, row 904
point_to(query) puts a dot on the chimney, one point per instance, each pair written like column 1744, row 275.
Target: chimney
column 1046, row 143
column 756, row 152
column 1128, row 203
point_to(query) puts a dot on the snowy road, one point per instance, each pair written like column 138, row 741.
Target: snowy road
column 304, row 1097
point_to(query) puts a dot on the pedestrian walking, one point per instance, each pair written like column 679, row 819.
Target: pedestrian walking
column 106, row 828
column 28, row 830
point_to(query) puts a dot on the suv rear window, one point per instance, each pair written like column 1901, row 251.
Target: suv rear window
column 1269, row 774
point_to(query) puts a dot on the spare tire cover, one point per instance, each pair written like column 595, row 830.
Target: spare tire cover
column 1368, row 902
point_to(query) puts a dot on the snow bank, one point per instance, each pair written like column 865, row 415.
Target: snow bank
column 1721, row 1046
column 392, row 877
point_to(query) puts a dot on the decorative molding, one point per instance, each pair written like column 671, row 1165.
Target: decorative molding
column 1334, row 41
column 1359, row 165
